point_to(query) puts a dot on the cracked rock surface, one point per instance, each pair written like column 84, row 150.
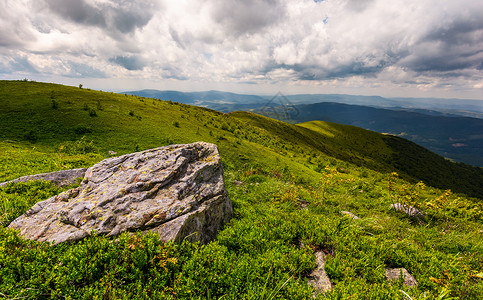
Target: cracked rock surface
column 177, row 191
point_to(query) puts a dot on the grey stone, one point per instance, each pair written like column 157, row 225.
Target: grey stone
column 238, row 182
column 349, row 214
column 59, row 178
column 410, row 211
column 318, row 278
column 177, row 191
column 393, row 274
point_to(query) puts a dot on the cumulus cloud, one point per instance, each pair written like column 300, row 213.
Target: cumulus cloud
column 128, row 62
column 80, row 70
column 420, row 44
column 14, row 25
column 17, row 64
column 247, row 17
column 114, row 17
column 457, row 45
column 77, row 11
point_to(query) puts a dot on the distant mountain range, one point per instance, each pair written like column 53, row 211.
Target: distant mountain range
column 452, row 128
column 457, row 138
column 227, row 102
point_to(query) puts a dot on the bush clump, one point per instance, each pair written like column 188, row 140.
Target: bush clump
column 81, row 146
column 82, row 129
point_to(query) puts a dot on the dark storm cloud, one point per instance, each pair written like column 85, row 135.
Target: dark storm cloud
column 131, row 15
column 247, row 17
column 122, row 16
column 366, row 66
column 458, row 32
column 128, row 62
column 77, row 11
column 456, row 46
column 441, row 62
column 354, row 68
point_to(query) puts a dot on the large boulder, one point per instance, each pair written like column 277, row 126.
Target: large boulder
column 177, row 191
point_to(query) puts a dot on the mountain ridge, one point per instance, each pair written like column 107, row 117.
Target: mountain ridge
column 55, row 117
column 291, row 186
column 461, row 107
column 450, row 132
column 458, row 138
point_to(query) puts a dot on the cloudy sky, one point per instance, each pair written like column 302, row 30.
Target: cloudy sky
column 368, row 47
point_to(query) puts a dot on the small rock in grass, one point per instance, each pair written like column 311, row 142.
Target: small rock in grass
column 393, row 274
column 349, row 214
column 410, row 211
column 318, row 278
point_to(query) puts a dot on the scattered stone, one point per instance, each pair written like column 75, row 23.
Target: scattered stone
column 410, row 211
column 112, row 153
column 238, row 182
column 349, row 214
column 59, row 178
column 177, row 191
column 303, row 203
column 318, row 278
column 393, row 274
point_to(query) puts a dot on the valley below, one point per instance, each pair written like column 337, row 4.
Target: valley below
column 451, row 128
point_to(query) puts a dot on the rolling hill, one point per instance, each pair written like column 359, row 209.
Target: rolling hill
column 458, row 138
column 288, row 183
column 449, row 127
column 115, row 122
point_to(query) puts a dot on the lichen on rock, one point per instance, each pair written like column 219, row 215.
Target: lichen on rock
column 177, row 191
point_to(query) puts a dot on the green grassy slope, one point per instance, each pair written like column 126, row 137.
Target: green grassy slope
column 124, row 123
column 49, row 115
column 383, row 153
column 288, row 184
column 406, row 158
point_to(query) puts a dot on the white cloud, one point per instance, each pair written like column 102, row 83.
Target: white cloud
column 413, row 44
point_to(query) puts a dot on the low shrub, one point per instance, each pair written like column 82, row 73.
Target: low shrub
column 82, row 129
column 81, row 146
column 92, row 112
